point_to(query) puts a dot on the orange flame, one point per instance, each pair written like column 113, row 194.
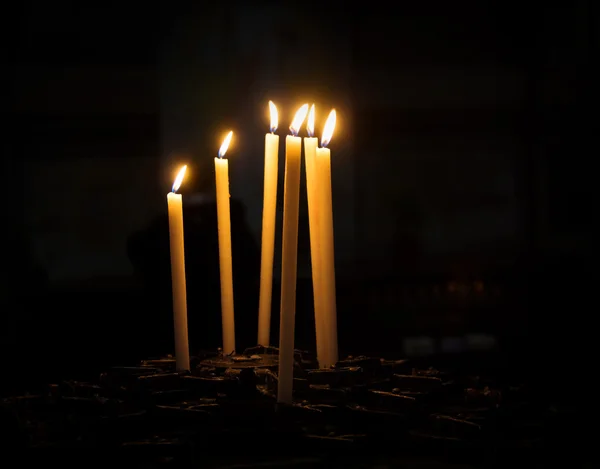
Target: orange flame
column 179, row 179
column 274, row 116
column 328, row 129
column 310, row 123
column 298, row 119
column 225, row 144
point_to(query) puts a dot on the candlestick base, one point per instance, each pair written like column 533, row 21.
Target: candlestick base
column 153, row 411
column 251, row 361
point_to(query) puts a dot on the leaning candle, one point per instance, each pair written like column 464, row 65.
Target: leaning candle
column 310, row 149
column 289, row 258
column 224, row 227
column 323, row 172
column 175, row 209
column 268, row 230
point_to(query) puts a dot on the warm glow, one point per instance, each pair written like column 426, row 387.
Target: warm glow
column 179, row 179
column 225, row 145
column 328, row 129
column 298, row 119
column 274, row 116
column 310, row 123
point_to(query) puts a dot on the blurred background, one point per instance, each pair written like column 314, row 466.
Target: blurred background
column 462, row 202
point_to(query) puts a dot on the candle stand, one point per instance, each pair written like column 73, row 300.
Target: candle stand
column 382, row 407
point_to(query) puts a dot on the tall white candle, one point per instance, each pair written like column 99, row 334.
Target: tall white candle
column 225, row 258
column 310, row 151
column 175, row 210
column 289, row 258
column 327, row 258
column 268, row 230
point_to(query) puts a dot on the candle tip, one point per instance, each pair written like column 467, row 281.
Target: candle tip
column 225, row 144
column 179, row 179
column 274, row 116
column 328, row 129
column 310, row 123
column 298, row 119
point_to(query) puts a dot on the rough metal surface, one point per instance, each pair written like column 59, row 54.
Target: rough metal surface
column 363, row 412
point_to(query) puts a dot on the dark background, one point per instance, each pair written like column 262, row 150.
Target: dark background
column 462, row 197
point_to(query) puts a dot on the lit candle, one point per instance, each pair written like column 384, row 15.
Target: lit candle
column 310, row 149
column 327, row 260
column 268, row 230
column 289, row 258
column 224, row 227
column 175, row 209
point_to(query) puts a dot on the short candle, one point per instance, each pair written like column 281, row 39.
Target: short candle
column 175, row 211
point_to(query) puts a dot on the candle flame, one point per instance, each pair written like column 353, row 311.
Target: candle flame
column 179, row 179
column 328, row 129
column 274, row 116
column 298, row 119
column 225, row 144
column 310, row 123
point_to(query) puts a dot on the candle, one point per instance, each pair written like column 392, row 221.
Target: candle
column 289, row 258
column 310, row 149
column 323, row 177
column 224, row 227
column 175, row 210
column 268, row 230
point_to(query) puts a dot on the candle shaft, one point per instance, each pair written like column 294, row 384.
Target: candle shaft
column 268, row 238
column 310, row 148
column 175, row 210
column 327, row 259
column 289, row 260
column 225, row 257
